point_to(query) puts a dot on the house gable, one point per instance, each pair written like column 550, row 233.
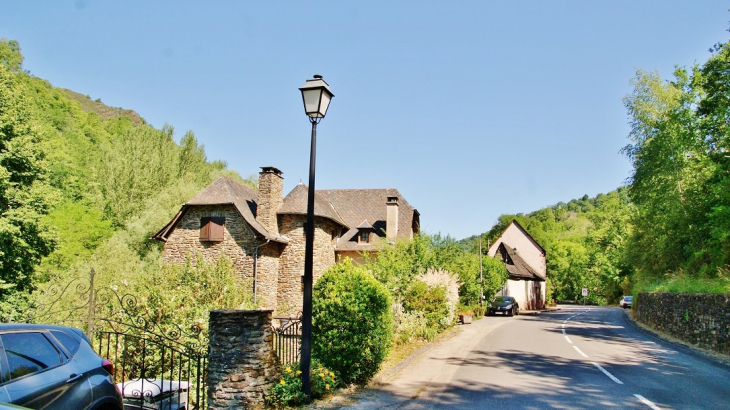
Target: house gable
column 224, row 191
column 517, row 241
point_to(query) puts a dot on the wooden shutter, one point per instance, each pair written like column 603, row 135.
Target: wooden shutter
column 205, row 228
column 216, row 228
column 212, row 228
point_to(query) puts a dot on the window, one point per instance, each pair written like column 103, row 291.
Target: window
column 211, row 228
column 364, row 237
column 29, row 353
column 69, row 343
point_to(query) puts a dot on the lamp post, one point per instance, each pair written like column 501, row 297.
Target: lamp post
column 316, row 96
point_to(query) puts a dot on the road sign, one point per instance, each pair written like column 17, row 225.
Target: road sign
column 585, row 292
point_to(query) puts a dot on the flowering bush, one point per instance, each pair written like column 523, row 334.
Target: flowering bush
column 288, row 391
column 409, row 326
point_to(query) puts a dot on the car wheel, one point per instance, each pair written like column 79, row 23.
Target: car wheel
column 512, row 312
column 517, row 311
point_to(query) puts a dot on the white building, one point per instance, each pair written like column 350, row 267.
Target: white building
column 525, row 261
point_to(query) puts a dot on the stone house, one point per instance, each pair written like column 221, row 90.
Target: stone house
column 263, row 232
column 526, row 264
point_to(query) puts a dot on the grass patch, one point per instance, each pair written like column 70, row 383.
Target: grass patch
column 683, row 282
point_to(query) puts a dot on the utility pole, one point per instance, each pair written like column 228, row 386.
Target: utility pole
column 481, row 274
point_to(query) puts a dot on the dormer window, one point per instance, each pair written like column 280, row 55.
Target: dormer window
column 211, row 228
column 364, row 230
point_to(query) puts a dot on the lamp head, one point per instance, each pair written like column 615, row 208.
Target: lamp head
column 316, row 96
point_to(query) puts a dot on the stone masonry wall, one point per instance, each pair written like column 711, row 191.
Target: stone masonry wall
column 270, row 198
column 291, row 265
column 699, row 319
column 241, row 361
column 238, row 244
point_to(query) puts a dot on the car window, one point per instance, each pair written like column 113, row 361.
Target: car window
column 29, row 353
column 69, row 343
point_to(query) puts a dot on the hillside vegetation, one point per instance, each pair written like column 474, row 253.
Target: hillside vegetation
column 585, row 240
column 84, row 185
column 669, row 228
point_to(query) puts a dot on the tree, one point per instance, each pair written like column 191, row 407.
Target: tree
column 25, row 195
column 10, row 55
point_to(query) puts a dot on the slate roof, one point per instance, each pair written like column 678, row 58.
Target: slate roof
column 516, row 266
column 225, row 191
column 296, row 203
column 350, row 208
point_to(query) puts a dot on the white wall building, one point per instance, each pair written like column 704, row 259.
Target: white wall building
column 525, row 261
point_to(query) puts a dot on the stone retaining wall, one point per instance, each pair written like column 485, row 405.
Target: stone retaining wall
column 702, row 320
column 241, row 361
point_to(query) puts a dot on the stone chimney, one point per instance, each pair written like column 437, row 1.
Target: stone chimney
column 270, row 198
column 391, row 219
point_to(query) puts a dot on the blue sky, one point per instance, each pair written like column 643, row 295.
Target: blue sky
column 471, row 109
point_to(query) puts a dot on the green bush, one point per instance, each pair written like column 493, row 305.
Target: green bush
column 409, row 326
column 352, row 322
column 432, row 301
column 288, row 391
column 478, row 310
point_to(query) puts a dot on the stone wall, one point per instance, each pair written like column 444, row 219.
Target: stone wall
column 239, row 243
column 291, row 264
column 270, row 197
column 702, row 320
column 241, row 360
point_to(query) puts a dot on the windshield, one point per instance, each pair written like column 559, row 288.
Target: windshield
column 502, row 299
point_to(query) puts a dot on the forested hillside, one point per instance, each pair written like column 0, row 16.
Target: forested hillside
column 83, row 185
column 585, row 240
column 669, row 229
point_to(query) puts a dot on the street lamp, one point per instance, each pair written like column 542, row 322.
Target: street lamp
column 316, row 96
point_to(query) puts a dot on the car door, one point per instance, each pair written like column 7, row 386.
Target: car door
column 40, row 375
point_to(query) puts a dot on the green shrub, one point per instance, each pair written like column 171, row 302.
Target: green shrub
column 478, row 310
column 352, row 322
column 419, row 297
column 288, row 391
column 408, row 326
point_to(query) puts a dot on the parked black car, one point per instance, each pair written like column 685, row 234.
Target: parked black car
column 504, row 304
column 54, row 367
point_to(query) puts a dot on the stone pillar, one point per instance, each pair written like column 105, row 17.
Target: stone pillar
column 241, row 361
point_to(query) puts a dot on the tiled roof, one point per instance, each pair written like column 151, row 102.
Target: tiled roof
column 516, row 266
column 352, row 207
column 296, row 203
column 365, row 225
column 225, row 191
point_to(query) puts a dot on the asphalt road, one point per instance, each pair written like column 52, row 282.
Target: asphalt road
column 575, row 358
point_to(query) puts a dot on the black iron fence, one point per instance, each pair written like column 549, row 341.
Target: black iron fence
column 157, row 366
column 288, row 340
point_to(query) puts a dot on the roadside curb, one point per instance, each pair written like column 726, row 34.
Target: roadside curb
column 380, row 378
column 710, row 356
column 343, row 398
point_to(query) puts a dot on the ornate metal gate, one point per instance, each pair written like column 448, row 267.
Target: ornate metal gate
column 288, row 340
column 156, row 366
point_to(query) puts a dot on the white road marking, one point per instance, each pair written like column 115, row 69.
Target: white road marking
column 569, row 341
column 647, row 402
column 579, row 351
column 563, row 330
column 610, row 376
